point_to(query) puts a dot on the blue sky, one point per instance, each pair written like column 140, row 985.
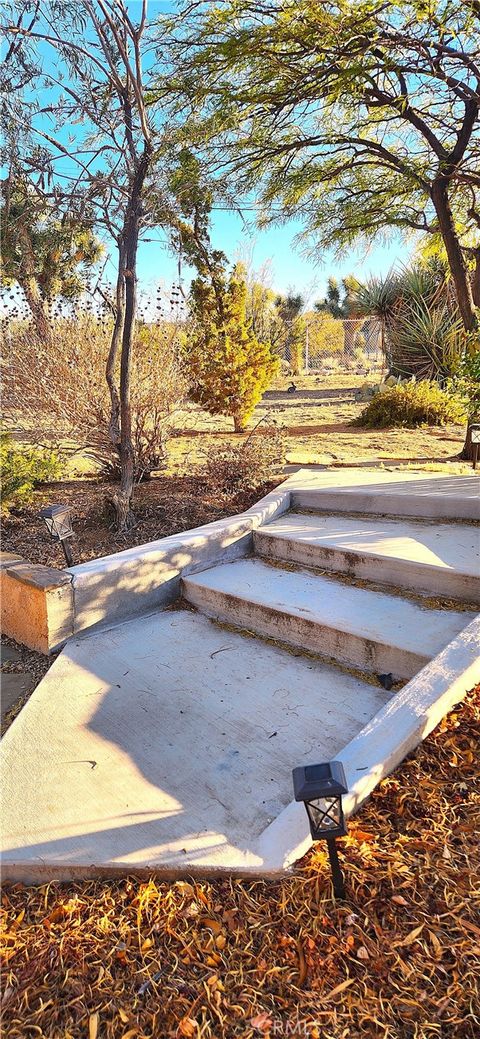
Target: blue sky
column 289, row 267
column 275, row 246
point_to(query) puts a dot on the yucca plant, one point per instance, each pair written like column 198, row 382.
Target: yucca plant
column 426, row 340
column 424, row 335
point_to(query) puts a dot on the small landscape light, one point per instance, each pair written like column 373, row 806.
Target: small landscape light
column 475, row 434
column 320, row 787
column 59, row 525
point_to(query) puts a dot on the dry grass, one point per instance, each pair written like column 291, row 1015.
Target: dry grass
column 397, row 960
column 316, row 421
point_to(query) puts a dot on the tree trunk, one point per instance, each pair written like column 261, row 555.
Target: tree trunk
column 37, row 309
column 122, row 500
column 476, row 279
column 461, row 280
column 238, row 422
column 466, row 453
column 463, row 286
column 114, row 424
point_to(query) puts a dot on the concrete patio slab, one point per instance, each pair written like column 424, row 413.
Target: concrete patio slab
column 440, row 559
column 166, row 742
column 369, row 629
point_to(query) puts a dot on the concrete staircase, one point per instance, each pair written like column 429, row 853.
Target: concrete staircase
column 439, row 559
column 392, row 627
column 166, row 741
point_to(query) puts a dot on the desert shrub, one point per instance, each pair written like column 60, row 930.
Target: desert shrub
column 228, row 368
column 256, row 462
column 57, row 387
column 424, row 335
column 467, row 383
column 24, row 468
column 413, row 404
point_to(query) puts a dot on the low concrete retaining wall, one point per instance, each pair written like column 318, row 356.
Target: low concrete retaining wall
column 36, row 603
column 110, row 589
column 42, row 607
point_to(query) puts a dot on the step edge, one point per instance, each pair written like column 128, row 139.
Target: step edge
column 264, row 534
column 220, row 593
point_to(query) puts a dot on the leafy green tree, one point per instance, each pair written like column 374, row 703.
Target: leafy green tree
column 361, row 118
column 228, row 366
column 46, row 256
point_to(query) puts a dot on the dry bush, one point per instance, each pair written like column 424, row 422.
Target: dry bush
column 257, row 461
column 55, row 392
column 413, row 404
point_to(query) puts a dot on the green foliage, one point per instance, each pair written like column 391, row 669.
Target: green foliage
column 413, row 404
column 41, row 251
column 23, row 469
column 424, row 333
column 325, row 111
column 325, row 337
column 228, row 367
column 340, row 297
column 466, row 382
column 256, row 462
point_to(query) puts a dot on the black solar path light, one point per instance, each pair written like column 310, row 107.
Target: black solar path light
column 321, row 787
column 475, row 434
column 58, row 520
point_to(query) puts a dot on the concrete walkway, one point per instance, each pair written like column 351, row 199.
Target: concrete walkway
column 169, row 739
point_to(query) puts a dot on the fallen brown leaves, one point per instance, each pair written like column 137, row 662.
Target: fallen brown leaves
column 397, row 960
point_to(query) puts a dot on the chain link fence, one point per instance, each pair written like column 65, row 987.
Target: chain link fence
column 344, row 345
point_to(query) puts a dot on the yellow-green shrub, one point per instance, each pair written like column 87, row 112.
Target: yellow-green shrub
column 413, row 404
column 23, row 469
column 228, row 368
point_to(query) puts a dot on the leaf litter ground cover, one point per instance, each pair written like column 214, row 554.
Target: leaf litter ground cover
column 398, row 959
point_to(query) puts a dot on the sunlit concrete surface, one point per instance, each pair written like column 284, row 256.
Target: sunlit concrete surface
column 163, row 740
column 396, row 493
column 370, row 629
column 441, row 559
column 167, row 741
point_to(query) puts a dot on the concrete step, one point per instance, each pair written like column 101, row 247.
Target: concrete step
column 371, row 630
column 439, row 559
column 419, row 495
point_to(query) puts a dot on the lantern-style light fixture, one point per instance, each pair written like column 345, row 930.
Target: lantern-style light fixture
column 321, row 787
column 475, row 435
column 58, row 520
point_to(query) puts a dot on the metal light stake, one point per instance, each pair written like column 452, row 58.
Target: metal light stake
column 320, row 787
column 59, row 525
